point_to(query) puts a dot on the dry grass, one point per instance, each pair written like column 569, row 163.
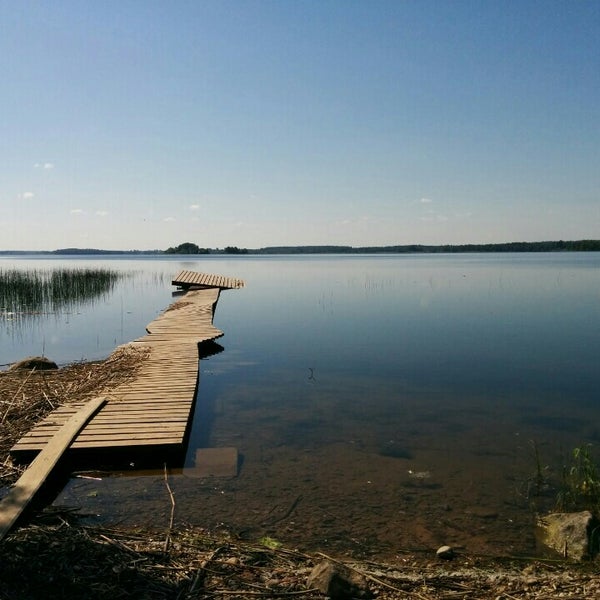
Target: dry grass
column 59, row 559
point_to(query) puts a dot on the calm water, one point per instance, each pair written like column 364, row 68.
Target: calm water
column 378, row 403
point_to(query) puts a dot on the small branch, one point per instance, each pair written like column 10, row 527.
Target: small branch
column 172, row 518
column 267, row 593
column 287, row 513
column 16, row 394
column 201, row 573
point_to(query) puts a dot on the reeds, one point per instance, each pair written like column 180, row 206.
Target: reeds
column 30, row 292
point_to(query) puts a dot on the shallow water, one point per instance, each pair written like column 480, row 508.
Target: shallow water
column 378, row 403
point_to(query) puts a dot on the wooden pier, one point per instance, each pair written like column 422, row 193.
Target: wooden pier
column 153, row 410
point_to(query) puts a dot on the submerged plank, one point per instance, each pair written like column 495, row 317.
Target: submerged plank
column 34, row 476
column 214, row 462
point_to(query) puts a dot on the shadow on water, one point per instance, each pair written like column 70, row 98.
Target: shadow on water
column 204, row 409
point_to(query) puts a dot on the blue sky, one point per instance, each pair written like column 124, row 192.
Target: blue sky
column 144, row 124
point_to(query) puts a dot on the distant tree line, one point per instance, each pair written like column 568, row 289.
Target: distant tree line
column 550, row 246
column 82, row 251
column 191, row 248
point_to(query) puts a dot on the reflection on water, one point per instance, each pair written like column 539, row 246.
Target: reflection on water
column 384, row 403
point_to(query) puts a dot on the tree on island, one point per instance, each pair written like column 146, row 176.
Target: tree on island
column 235, row 250
column 187, row 248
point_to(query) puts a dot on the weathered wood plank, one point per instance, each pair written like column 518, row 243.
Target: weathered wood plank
column 34, row 476
column 125, row 443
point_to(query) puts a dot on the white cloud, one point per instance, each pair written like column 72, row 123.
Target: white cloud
column 169, row 219
column 26, row 196
column 76, row 211
column 194, row 207
column 425, row 200
column 46, row 165
column 101, row 213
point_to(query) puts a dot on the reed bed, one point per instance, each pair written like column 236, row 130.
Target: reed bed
column 37, row 291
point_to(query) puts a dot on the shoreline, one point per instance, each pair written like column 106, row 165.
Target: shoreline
column 55, row 555
column 151, row 558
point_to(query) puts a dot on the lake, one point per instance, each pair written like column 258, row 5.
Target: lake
column 379, row 403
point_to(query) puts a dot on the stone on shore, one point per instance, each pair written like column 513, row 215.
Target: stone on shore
column 567, row 534
column 445, row 552
column 338, row 581
column 37, row 363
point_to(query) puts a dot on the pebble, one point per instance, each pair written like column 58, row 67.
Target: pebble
column 445, row 552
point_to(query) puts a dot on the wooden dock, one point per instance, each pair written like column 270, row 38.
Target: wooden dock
column 154, row 409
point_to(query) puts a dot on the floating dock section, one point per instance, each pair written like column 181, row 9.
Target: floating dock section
column 187, row 279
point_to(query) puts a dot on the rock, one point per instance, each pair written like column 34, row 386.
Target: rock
column 37, row 363
column 445, row 552
column 395, row 450
column 567, row 534
column 338, row 581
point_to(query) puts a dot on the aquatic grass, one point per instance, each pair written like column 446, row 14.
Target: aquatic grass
column 30, row 292
column 580, row 488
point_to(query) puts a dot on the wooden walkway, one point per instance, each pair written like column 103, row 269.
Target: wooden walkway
column 154, row 409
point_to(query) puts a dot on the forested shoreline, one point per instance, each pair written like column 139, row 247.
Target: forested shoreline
column 192, row 248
